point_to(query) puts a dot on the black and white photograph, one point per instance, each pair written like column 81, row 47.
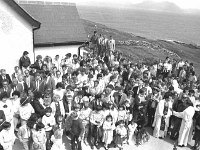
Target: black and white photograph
column 100, row 75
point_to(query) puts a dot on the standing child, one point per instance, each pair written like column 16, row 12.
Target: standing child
column 131, row 130
column 24, row 135
column 57, row 140
column 49, row 122
column 108, row 127
column 121, row 134
column 39, row 137
column 7, row 137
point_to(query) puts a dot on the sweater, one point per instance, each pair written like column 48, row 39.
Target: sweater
column 77, row 127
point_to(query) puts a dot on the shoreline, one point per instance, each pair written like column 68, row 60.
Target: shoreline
column 191, row 45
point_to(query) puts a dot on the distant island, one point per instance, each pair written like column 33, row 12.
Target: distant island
column 141, row 49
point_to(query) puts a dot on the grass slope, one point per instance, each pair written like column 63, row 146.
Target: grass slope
column 142, row 49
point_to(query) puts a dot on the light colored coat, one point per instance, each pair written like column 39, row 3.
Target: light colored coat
column 158, row 116
column 186, row 124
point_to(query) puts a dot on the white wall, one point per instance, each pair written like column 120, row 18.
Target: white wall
column 15, row 37
column 56, row 50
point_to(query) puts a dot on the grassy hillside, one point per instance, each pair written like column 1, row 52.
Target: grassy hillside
column 142, row 49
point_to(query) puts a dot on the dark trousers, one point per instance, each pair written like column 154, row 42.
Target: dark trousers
column 75, row 143
column 151, row 114
column 95, row 135
column 176, row 128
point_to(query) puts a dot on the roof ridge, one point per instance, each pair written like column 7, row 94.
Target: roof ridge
column 45, row 2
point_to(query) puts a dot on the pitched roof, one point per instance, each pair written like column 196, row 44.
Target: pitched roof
column 11, row 3
column 60, row 22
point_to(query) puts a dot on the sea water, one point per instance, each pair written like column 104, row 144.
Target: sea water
column 151, row 24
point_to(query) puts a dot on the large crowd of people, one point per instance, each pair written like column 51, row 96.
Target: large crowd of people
column 98, row 99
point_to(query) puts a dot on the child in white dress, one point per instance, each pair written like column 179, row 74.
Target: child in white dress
column 108, row 127
column 131, row 129
column 57, row 140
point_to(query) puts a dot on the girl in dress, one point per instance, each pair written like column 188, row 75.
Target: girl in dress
column 108, row 127
column 56, row 138
column 121, row 135
column 7, row 137
column 39, row 137
column 131, row 130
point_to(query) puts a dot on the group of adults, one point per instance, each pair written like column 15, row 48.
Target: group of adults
column 85, row 87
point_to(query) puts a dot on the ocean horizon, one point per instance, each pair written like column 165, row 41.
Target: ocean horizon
column 184, row 28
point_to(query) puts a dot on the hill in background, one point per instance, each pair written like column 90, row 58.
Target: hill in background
column 158, row 6
column 141, row 49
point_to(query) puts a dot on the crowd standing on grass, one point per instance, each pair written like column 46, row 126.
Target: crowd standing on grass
column 98, row 99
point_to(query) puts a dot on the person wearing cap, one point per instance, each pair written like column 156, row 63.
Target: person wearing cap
column 24, row 61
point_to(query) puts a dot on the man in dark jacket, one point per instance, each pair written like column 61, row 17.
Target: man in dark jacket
column 2, row 119
column 4, row 76
column 77, row 131
column 24, row 61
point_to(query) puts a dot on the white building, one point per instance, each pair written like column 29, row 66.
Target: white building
column 16, row 34
column 61, row 29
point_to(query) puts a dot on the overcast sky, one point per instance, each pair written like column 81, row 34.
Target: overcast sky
column 185, row 4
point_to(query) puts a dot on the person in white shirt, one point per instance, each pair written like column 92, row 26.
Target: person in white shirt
column 58, row 77
column 25, row 109
column 24, row 135
column 56, row 62
column 82, row 78
column 59, row 90
column 7, row 137
column 85, row 117
column 57, row 107
column 49, row 122
column 16, row 105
